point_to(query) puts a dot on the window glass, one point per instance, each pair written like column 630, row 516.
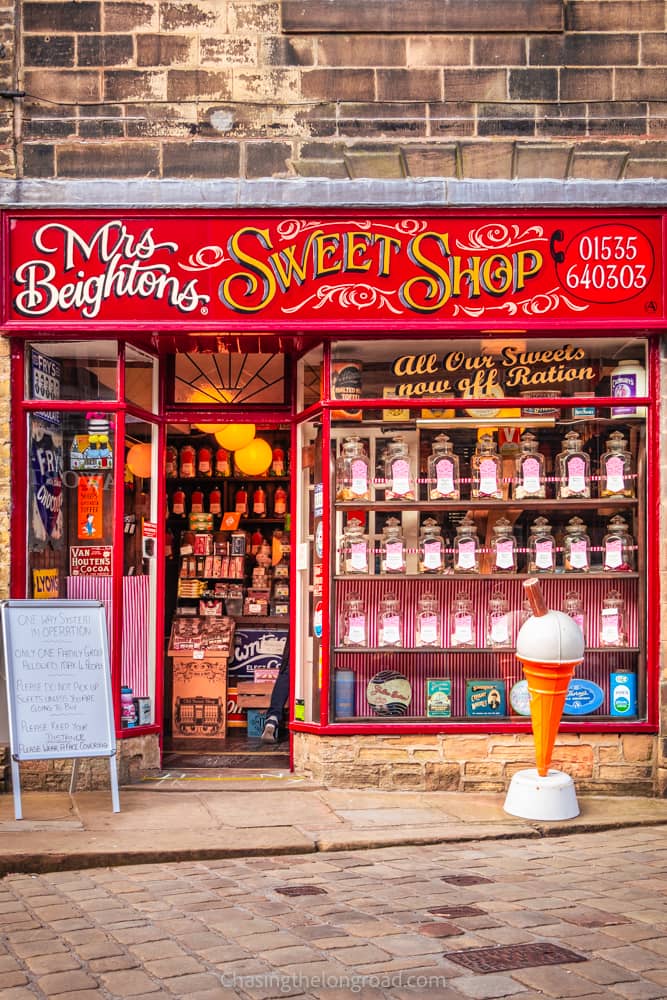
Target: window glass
column 78, row 371
column 140, row 379
column 209, row 380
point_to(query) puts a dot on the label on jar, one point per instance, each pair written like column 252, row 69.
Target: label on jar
column 613, row 554
column 610, row 631
column 462, row 627
column 499, row 627
column 488, row 477
column 504, row 554
column 356, row 630
column 359, row 478
column 394, row 557
column 530, row 468
column 466, row 559
column 359, row 557
column 544, row 554
column 432, row 555
column 428, row 629
column 400, row 477
column 444, row 471
column 576, row 475
column 579, row 555
column 391, row 630
column 615, row 477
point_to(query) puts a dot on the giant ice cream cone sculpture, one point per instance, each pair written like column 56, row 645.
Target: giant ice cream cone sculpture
column 550, row 644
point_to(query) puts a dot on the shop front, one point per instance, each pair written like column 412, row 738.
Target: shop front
column 357, row 434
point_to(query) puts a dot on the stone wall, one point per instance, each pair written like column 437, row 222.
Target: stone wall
column 256, row 89
column 607, row 764
column 137, row 756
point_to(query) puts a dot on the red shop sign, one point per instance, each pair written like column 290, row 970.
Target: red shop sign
column 168, row 269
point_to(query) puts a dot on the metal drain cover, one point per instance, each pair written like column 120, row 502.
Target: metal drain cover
column 301, row 890
column 452, row 912
column 465, row 879
column 515, row 956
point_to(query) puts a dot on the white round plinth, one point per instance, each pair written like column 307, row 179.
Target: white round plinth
column 532, row 796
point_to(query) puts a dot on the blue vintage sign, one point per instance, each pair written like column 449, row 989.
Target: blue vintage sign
column 583, row 697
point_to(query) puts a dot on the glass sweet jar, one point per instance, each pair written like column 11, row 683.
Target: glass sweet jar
column 612, row 620
column 399, row 473
column 431, row 548
column 353, row 481
column 462, row 622
column 541, row 547
column 573, row 469
column 353, row 622
column 390, row 621
column 443, row 470
column 466, row 547
column 618, row 547
column 486, row 470
column 393, row 556
column 354, row 549
column 498, row 621
column 616, row 468
column 427, row 623
column 573, row 607
column 576, row 547
column 503, row 547
column 529, row 481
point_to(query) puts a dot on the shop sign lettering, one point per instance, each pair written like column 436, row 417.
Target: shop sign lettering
column 315, row 271
column 90, row 560
column 510, row 371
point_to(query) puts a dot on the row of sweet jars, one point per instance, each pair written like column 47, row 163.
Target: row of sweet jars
column 499, row 628
column 572, row 472
column 212, row 460
column 436, row 557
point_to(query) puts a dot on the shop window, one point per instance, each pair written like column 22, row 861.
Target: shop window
column 446, row 500
column 77, row 371
column 235, row 379
column 140, row 379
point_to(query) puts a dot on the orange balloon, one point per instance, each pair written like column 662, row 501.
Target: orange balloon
column 255, row 458
column 139, row 460
column 235, row 436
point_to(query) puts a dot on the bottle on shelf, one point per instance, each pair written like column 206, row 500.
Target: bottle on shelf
column 431, row 548
column 498, row 621
column 612, row 620
column 443, row 470
column 197, row 502
column 171, row 462
column 573, row 469
column 223, row 466
column 576, row 547
column 259, row 501
column 427, row 624
column 178, row 502
column 486, row 470
column 256, row 541
column 541, row 547
column 616, row 478
column 280, row 502
column 187, row 460
column 462, row 624
column 353, row 625
column 241, row 501
column 628, row 379
column 503, row 547
column 215, row 501
column 393, row 558
column 466, row 547
column 353, row 481
column 399, row 475
column 204, row 461
column 574, row 607
column 354, row 549
column 278, row 462
column 390, row 621
column 618, row 547
column 529, row 481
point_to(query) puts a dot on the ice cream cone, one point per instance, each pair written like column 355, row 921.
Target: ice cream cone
column 547, row 684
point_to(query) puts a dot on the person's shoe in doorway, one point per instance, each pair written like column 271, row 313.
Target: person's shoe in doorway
column 270, row 731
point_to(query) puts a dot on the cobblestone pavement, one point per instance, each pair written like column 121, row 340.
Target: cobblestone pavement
column 375, row 924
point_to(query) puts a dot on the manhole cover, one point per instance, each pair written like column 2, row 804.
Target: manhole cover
column 516, row 956
column 301, row 890
column 452, row 912
column 465, row 879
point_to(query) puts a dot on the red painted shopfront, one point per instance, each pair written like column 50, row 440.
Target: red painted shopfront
column 445, row 403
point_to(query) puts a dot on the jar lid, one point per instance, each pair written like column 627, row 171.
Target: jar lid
column 575, row 526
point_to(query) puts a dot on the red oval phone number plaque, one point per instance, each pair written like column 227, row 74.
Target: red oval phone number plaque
column 604, row 264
